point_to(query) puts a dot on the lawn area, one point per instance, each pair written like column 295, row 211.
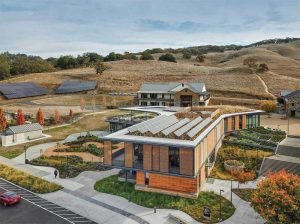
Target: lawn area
column 193, row 207
column 88, row 123
column 11, row 153
column 69, row 166
column 27, row 181
column 244, row 154
column 244, row 193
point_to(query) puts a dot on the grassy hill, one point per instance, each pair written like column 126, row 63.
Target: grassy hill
column 223, row 72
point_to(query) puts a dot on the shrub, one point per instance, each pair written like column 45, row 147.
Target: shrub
column 186, row 55
column 27, row 181
column 277, row 198
column 146, row 56
column 200, row 58
column 167, row 57
column 268, row 106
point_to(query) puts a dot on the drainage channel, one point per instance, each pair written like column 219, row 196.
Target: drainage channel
column 44, row 204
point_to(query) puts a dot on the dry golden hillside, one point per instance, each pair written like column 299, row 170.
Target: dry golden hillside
column 224, row 73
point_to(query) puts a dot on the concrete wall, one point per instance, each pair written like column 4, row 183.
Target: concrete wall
column 21, row 138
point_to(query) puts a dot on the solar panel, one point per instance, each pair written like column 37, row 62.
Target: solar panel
column 199, row 127
column 152, row 124
column 140, row 126
column 175, row 126
column 21, row 90
column 76, row 86
column 164, row 124
column 188, row 126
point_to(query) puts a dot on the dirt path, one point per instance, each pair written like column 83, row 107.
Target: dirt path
column 265, row 87
column 86, row 156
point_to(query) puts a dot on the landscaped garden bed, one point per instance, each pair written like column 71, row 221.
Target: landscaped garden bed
column 193, row 207
column 244, row 193
column 251, row 157
column 90, row 148
column 27, row 181
column 256, row 137
column 68, row 166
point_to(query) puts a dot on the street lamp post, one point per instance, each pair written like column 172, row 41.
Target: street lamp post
column 231, row 191
column 220, row 214
column 25, row 150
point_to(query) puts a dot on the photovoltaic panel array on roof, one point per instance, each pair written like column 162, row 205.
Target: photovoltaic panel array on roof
column 164, row 124
column 143, row 125
column 76, row 86
column 188, row 126
column 199, row 127
column 22, row 90
column 175, row 126
column 147, row 127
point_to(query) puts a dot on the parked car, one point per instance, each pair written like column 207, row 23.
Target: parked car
column 9, row 198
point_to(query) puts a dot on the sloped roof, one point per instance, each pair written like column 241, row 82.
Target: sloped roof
column 172, row 87
column 292, row 94
column 24, row 128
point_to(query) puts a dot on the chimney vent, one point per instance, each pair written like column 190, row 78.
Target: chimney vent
column 182, row 84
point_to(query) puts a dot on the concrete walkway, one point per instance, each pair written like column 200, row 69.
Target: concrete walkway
column 244, row 213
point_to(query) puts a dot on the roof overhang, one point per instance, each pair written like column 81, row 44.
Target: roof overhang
column 124, row 136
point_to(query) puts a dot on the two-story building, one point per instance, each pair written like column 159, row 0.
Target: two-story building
column 173, row 154
column 291, row 103
column 173, row 94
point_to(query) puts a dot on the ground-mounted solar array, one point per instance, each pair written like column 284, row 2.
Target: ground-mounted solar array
column 21, row 90
column 76, row 86
column 171, row 127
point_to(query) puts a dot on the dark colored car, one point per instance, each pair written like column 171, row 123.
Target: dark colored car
column 9, row 198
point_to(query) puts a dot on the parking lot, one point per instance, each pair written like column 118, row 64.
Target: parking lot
column 35, row 210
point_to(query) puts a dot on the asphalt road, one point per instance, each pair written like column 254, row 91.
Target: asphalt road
column 28, row 213
column 35, row 210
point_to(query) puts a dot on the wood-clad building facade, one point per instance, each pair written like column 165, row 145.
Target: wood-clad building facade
column 174, row 166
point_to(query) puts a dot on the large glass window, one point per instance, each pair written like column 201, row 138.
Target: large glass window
column 253, row 120
column 174, row 160
column 138, row 156
column 225, row 124
column 233, row 123
column 153, row 95
column 241, row 122
column 144, row 95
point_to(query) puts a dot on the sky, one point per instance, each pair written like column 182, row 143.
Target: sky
column 59, row 27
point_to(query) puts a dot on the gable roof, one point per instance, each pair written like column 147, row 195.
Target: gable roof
column 292, row 94
column 197, row 87
column 23, row 128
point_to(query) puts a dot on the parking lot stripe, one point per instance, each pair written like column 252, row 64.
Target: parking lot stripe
column 44, row 204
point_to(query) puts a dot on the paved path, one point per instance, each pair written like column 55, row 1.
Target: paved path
column 244, row 213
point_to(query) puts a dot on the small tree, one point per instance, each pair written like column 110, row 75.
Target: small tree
column 277, row 198
column 186, row 55
column 71, row 114
column 20, row 117
column 100, row 67
column 167, row 57
column 57, row 117
column 261, row 68
column 3, row 121
column 40, row 117
column 82, row 104
column 268, row 106
column 146, row 56
column 200, row 58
